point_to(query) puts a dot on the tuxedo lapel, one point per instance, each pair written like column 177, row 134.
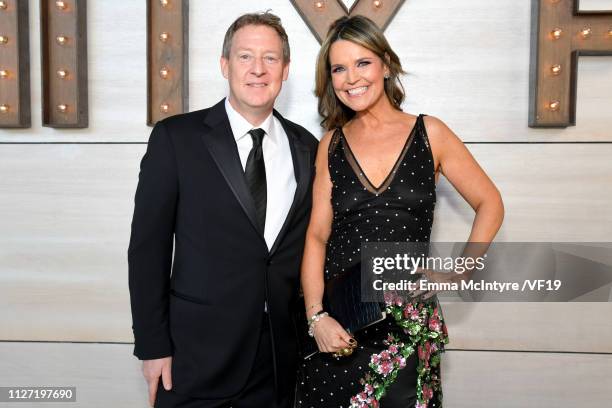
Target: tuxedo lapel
column 300, row 154
column 220, row 141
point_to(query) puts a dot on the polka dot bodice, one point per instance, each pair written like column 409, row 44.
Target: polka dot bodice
column 401, row 209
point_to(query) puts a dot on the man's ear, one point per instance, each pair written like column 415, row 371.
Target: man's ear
column 286, row 71
column 224, row 66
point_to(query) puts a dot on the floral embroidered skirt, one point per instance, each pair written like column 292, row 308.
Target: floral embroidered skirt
column 396, row 364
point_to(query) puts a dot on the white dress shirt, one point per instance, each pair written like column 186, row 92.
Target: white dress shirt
column 280, row 178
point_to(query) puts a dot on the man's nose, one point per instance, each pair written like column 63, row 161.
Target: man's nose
column 258, row 68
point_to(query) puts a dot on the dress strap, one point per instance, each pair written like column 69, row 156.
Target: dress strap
column 333, row 143
column 423, row 130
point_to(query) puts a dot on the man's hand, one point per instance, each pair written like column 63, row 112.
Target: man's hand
column 152, row 370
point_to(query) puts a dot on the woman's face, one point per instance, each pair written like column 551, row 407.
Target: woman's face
column 357, row 74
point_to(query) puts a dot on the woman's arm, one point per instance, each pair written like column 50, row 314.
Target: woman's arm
column 317, row 233
column 454, row 160
column 461, row 169
column 328, row 333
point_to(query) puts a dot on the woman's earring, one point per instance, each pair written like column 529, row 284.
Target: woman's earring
column 386, row 76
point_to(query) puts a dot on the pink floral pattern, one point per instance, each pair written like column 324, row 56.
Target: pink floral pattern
column 426, row 334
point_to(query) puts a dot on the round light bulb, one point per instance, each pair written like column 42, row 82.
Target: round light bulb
column 554, row 105
column 163, row 37
column 62, row 73
column 60, row 5
column 3, row 39
column 3, row 5
column 3, row 73
column 61, row 39
column 164, row 72
column 556, row 33
column 62, row 108
column 4, row 108
column 377, row 3
column 555, row 69
column 164, row 3
column 585, row 32
column 610, row 33
column 319, row 5
column 164, row 107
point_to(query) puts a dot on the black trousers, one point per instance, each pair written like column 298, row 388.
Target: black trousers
column 258, row 392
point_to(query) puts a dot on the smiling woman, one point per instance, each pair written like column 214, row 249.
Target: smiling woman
column 375, row 181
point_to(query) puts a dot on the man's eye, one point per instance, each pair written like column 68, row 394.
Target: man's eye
column 271, row 59
column 244, row 57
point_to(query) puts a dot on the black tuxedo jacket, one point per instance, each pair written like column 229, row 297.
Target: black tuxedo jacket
column 208, row 313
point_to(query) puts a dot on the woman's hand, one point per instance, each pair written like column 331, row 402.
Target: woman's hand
column 431, row 276
column 331, row 336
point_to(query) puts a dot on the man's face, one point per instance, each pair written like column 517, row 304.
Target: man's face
column 255, row 69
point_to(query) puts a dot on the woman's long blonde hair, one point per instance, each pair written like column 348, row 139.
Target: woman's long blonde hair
column 362, row 31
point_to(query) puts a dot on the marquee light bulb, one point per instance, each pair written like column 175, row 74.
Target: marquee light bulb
column 164, row 72
column 62, row 108
column 61, row 39
column 4, row 108
column 62, row 73
column 3, row 73
column 555, row 69
column 556, row 33
column 554, row 105
column 164, row 108
column 163, row 37
column 585, row 32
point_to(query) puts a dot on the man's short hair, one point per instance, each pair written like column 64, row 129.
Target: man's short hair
column 257, row 19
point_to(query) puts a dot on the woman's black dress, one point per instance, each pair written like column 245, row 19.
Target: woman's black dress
column 399, row 210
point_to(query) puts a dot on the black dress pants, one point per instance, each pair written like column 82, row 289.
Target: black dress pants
column 257, row 393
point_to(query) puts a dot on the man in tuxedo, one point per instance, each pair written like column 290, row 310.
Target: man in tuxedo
column 229, row 189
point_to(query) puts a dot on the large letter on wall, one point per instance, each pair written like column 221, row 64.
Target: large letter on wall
column 63, row 40
column 319, row 14
column 167, row 58
column 560, row 34
column 14, row 64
